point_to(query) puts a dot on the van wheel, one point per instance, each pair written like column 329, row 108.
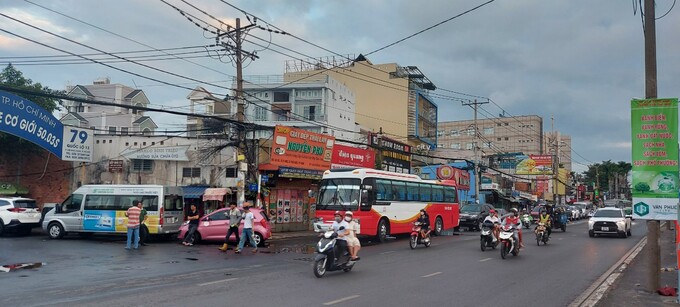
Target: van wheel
column 55, row 231
column 438, row 226
column 383, row 230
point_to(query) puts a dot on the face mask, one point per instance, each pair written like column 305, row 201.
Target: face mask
column 348, row 218
column 338, row 219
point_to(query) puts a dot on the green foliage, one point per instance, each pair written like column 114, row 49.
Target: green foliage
column 642, row 187
column 606, row 171
column 10, row 76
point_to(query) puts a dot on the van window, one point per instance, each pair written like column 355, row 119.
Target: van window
column 173, row 203
column 72, row 203
column 120, row 202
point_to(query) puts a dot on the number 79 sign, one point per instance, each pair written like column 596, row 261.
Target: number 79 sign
column 77, row 144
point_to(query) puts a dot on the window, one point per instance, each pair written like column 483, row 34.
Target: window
column 281, row 96
column 470, row 132
column 173, row 203
column 209, row 109
column 231, row 172
column 487, row 144
column 112, row 130
column 506, row 124
column 399, row 190
column 441, row 133
column 437, row 193
column 425, row 192
column 506, row 138
column 488, row 131
column 441, row 145
column 310, row 112
column 455, row 133
column 413, row 191
column 93, row 128
column 468, row 146
column 71, row 204
column 191, row 172
column 142, row 165
column 383, row 189
column 260, row 114
column 120, row 202
column 455, row 145
column 450, row 195
column 219, row 216
column 498, row 139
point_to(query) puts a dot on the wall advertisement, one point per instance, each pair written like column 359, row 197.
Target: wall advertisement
column 535, row 165
column 297, row 148
column 29, row 121
column 346, row 156
column 396, row 156
column 654, row 134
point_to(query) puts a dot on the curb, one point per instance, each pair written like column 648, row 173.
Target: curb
column 591, row 296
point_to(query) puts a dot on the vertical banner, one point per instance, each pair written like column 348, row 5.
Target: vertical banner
column 654, row 127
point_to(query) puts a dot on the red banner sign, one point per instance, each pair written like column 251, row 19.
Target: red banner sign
column 346, row 156
column 302, row 149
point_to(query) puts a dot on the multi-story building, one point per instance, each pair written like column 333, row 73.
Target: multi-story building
column 496, row 135
column 201, row 101
column 390, row 98
column 556, row 143
column 111, row 120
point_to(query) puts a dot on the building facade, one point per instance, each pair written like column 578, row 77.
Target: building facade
column 111, row 120
column 557, row 143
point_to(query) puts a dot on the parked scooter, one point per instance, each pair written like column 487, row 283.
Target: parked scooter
column 486, row 238
column 508, row 243
column 541, row 234
column 417, row 237
column 526, row 220
column 325, row 258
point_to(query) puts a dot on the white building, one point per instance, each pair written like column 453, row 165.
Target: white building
column 111, row 120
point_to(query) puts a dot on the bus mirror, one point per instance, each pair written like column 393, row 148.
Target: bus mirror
column 364, row 196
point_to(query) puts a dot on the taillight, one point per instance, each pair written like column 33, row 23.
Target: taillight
column 160, row 217
column 17, row 210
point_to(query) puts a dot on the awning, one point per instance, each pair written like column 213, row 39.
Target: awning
column 267, row 167
column 194, row 191
column 215, row 193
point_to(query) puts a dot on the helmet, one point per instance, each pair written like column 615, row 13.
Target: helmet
column 513, row 210
column 492, row 211
column 422, row 210
column 349, row 213
column 337, row 213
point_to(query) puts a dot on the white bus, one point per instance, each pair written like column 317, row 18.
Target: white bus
column 101, row 209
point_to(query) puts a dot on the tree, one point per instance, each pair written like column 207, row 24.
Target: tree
column 14, row 78
column 609, row 176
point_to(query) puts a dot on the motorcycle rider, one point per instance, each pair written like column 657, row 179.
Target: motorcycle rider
column 512, row 219
column 493, row 218
column 341, row 242
column 546, row 220
column 424, row 219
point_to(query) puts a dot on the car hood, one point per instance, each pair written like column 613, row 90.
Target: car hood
column 607, row 219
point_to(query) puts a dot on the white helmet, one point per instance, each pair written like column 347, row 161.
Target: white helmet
column 349, row 213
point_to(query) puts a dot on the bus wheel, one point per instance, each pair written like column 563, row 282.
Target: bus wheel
column 383, row 230
column 438, row 226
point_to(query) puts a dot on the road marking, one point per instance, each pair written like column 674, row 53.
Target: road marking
column 388, row 252
column 485, row 259
column 430, row 275
column 216, row 282
column 341, row 300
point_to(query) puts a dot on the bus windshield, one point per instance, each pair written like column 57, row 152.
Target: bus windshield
column 339, row 194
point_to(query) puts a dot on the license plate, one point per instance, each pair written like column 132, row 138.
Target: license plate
column 605, row 228
column 169, row 220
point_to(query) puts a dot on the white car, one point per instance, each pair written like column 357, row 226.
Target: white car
column 19, row 214
column 609, row 220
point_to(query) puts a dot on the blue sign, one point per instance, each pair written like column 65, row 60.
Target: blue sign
column 252, row 187
column 27, row 120
column 99, row 220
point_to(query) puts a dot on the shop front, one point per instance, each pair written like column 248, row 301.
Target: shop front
column 297, row 161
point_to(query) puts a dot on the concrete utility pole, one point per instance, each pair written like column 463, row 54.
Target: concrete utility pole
column 653, row 230
column 474, row 146
column 243, row 159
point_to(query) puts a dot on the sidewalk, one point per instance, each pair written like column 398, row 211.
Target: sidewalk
column 292, row 235
column 629, row 289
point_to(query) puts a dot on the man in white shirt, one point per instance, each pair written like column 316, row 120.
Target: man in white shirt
column 493, row 218
column 341, row 243
column 247, row 233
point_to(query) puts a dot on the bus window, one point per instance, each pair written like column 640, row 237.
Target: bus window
column 425, row 192
column 399, row 191
column 437, row 193
column 413, row 191
column 450, row 195
column 339, row 194
column 384, row 189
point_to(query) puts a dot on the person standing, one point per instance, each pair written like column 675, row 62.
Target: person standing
column 192, row 216
column 143, row 230
column 133, row 226
column 234, row 215
column 247, row 233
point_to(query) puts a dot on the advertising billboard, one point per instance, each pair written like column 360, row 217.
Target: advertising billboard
column 396, row 156
column 654, row 134
column 535, row 165
column 346, row 156
column 297, row 148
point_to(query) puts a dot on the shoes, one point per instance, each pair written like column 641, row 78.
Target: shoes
column 255, row 251
column 238, row 251
column 223, row 248
column 127, row 248
column 189, row 244
column 184, row 243
column 355, row 258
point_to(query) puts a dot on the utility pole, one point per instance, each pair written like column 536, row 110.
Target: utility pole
column 243, row 159
column 653, row 230
column 475, row 104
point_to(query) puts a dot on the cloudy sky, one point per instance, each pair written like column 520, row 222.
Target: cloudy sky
column 580, row 61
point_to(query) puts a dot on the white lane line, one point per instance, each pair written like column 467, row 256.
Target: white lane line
column 430, row 275
column 485, row 259
column 388, row 252
column 217, row 281
column 341, row 300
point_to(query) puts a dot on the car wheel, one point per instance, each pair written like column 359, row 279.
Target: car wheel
column 259, row 239
column 438, row 226
column 55, row 231
column 383, row 231
column 591, row 233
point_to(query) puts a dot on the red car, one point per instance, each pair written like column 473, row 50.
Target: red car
column 214, row 226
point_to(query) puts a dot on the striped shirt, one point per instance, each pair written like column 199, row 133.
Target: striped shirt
column 133, row 216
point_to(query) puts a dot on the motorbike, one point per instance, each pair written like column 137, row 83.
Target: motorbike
column 541, row 234
column 325, row 258
column 526, row 220
column 486, row 236
column 417, row 237
column 560, row 220
column 508, row 243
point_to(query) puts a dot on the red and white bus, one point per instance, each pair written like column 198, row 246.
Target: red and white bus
column 385, row 203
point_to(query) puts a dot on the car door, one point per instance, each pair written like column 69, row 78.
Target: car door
column 71, row 213
column 214, row 226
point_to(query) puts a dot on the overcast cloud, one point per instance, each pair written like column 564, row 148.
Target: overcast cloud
column 581, row 61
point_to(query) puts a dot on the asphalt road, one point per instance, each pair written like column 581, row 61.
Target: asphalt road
column 452, row 272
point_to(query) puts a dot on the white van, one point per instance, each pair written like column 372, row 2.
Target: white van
column 101, row 209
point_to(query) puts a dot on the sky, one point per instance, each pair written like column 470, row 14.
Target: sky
column 579, row 61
